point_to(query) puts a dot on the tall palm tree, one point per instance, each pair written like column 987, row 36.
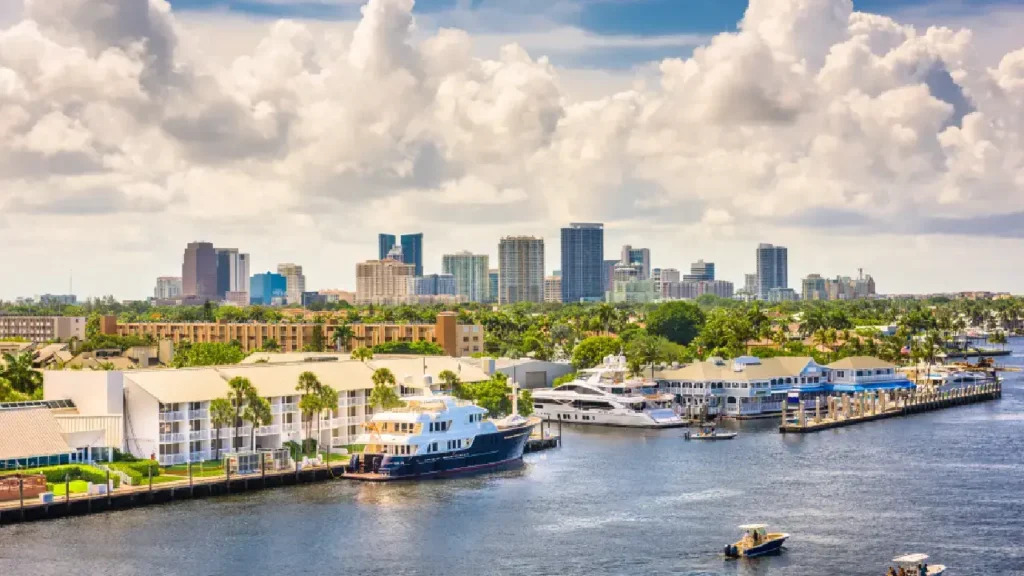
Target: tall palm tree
column 309, row 386
column 343, row 334
column 450, row 379
column 257, row 413
column 18, row 371
column 221, row 414
column 239, row 389
column 384, row 395
column 327, row 399
column 646, row 350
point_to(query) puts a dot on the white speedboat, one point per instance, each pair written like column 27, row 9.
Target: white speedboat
column 912, row 564
column 608, row 396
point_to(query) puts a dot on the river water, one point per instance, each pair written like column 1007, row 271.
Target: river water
column 610, row 501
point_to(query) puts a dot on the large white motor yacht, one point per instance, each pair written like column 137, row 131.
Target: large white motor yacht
column 607, row 396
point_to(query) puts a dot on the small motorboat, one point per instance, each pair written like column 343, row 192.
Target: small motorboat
column 709, row 434
column 912, row 564
column 756, row 542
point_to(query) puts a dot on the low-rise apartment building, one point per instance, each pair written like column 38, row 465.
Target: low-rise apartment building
column 167, row 412
column 42, row 328
column 456, row 339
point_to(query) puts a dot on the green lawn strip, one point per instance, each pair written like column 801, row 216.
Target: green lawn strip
column 77, row 487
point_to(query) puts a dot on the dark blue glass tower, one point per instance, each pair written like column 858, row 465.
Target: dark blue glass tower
column 412, row 251
column 583, row 262
column 384, row 244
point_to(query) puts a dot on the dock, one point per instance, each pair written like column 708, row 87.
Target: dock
column 851, row 409
column 542, row 439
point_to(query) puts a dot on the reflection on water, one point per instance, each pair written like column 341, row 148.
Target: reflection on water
column 611, row 501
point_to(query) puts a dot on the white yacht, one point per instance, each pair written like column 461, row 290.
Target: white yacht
column 607, row 396
column 435, row 436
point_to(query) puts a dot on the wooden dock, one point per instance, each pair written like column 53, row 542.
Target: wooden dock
column 851, row 409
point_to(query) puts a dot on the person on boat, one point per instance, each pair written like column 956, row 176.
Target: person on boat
column 755, row 537
column 922, row 569
column 891, row 572
column 902, row 572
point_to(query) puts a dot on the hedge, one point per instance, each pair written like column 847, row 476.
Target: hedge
column 138, row 470
column 55, row 474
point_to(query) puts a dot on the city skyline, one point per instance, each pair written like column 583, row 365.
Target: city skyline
column 228, row 123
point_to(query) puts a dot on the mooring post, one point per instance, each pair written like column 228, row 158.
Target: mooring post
column 149, row 470
column 109, row 488
column 67, row 491
column 21, row 496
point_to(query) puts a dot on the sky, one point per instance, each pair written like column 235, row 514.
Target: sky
column 882, row 135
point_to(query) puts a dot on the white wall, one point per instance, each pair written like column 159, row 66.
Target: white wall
column 552, row 370
column 95, row 393
column 142, row 421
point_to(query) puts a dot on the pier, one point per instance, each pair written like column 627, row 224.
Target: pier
column 543, row 440
column 851, row 409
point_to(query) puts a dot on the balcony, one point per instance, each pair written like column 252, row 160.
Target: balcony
column 171, row 459
column 199, row 435
column 198, row 414
column 228, row 432
column 293, row 427
column 200, row 456
column 172, row 438
column 171, row 416
column 268, row 430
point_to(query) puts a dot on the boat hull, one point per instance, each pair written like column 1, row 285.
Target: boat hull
column 712, row 438
column 596, row 418
column 499, row 450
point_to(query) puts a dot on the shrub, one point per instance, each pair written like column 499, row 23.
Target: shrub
column 55, row 474
column 138, row 470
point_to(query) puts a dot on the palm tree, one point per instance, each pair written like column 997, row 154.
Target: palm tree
column 646, row 350
column 327, row 399
column 221, row 414
column 239, row 389
column 257, row 413
column 309, row 386
column 605, row 315
column 343, row 334
column 9, row 394
column 383, row 394
column 450, row 379
column 19, row 373
column 362, row 354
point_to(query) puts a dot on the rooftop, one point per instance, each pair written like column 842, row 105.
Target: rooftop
column 30, row 432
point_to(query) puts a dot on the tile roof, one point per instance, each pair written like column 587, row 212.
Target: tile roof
column 860, row 363
column 30, row 432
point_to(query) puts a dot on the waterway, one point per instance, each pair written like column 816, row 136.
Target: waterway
column 611, row 501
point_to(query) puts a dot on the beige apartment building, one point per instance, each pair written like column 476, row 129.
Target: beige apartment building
column 383, row 282
column 42, row 328
column 456, row 339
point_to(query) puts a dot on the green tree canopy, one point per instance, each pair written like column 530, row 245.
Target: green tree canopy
column 17, row 370
column 678, row 322
column 591, row 351
column 362, row 354
column 207, row 354
column 384, row 395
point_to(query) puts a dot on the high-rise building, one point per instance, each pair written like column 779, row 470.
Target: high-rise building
column 384, row 281
column 58, row 299
column 412, row 248
column 701, row 271
column 296, row 281
column 814, row 288
column 553, row 289
column 750, row 284
column 433, row 285
column 268, row 289
column 846, row 288
column 639, row 257
column 582, row 258
column 199, row 271
column 608, row 273
column 232, row 272
column 493, row 284
column 167, row 287
column 772, row 269
column 520, row 269
column 470, row 272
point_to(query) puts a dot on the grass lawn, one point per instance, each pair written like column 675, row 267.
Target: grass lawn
column 77, row 487
column 206, row 472
column 337, row 457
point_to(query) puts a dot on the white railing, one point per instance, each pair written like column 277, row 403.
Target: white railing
column 171, row 459
column 199, row 435
column 172, row 438
column 293, row 427
column 267, row 430
column 199, row 456
column 171, row 416
column 228, row 432
column 198, row 414
column 292, row 407
column 344, row 402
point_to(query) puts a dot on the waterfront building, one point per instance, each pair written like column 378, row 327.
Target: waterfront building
column 265, row 288
column 295, row 279
column 456, row 339
column 634, row 291
column 639, row 257
column 58, row 299
column 772, row 269
column 384, row 281
column 42, row 328
column 433, row 285
column 608, row 273
column 520, row 269
column 814, row 288
column 412, row 249
column 750, row 387
column 701, row 271
column 169, row 409
column 199, row 271
column 471, row 275
column 32, row 437
column 167, row 287
column 782, row 295
column 582, row 257
column 553, row 289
